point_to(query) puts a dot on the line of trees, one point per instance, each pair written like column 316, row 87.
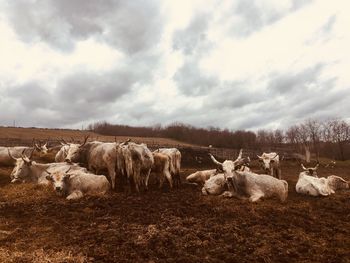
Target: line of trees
column 312, row 137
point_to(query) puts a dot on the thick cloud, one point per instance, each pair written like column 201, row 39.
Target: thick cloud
column 251, row 16
column 191, row 81
column 293, row 82
column 131, row 26
column 231, row 64
column 194, row 36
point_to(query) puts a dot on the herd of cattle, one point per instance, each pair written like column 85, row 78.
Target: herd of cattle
column 78, row 168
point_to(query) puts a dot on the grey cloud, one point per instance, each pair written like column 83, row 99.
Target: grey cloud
column 252, row 18
column 234, row 95
column 191, row 81
column 193, row 36
column 131, row 26
column 30, row 95
column 290, row 82
column 328, row 26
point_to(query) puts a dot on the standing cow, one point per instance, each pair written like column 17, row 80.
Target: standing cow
column 96, row 156
column 271, row 164
column 161, row 167
column 175, row 156
column 134, row 162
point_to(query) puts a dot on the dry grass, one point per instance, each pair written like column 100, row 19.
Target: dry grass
column 55, row 134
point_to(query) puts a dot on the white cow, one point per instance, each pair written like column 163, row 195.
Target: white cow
column 76, row 185
column 27, row 170
column 314, row 186
column 161, row 167
column 256, row 186
column 215, row 185
column 271, row 164
column 96, row 156
column 175, row 167
column 200, row 177
column 245, row 183
column 134, row 162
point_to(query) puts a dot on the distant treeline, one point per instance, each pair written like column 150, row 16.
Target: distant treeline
column 328, row 139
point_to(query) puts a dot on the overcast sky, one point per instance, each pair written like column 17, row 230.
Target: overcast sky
column 243, row 64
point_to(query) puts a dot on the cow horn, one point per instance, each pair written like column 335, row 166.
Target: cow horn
column 239, row 155
column 317, row 165
column 304, row 168
column 85, row 140
column 8, row 149
column 215, row 161
column 63, row 142
column 260, row 157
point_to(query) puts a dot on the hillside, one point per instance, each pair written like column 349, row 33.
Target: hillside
column 11, row 135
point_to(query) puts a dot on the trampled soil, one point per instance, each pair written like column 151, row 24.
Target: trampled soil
column 179, row 225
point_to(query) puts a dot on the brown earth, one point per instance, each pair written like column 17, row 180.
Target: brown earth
column 173, row 226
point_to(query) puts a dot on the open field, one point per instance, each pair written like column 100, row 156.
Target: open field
column 173, row 226
column 12, row 135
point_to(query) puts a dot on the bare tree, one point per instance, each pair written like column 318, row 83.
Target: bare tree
column 339, row 133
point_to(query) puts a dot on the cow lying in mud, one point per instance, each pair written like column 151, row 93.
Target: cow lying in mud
column 7, row 154
column 243, row 184
column 200, row 177
column 76, row 185
column 27, row 170
column 309, row 184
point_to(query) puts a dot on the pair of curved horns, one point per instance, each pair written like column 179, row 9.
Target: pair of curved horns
column 315, row 168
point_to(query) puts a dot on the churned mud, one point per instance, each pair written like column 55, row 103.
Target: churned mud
column 177, row 225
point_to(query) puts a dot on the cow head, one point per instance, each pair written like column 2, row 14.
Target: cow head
column 311, row 171
column 74, row 151
column 21, row 171
column 59, row 181
column 266, row 160
column 228, row 166
column 40, row 148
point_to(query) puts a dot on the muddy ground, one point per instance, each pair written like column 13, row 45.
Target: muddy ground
column 173, row 226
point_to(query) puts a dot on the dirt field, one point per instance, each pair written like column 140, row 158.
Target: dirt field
column 173, row 226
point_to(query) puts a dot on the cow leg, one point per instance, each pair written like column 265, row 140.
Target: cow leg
column 204, row 191
column 147, row 179
column 111, row 173
column 177, row 180
column 169, row 178
column 75, row 195
column 161, row 180
column 256, row 197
